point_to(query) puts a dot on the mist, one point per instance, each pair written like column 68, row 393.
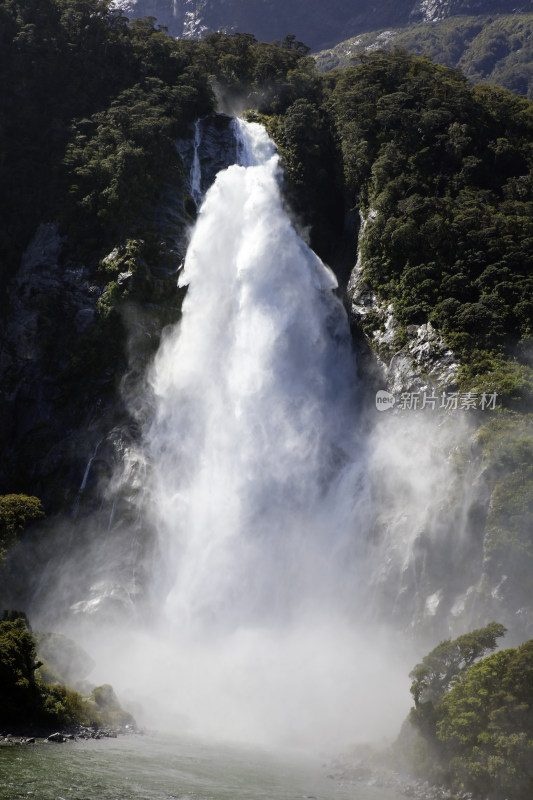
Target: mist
column 252, row 435
column 275, row 528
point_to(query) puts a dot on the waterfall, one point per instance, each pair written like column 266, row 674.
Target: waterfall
column 196, row 170
column 254, row 487
column 76, row 504
column 253, row 458
column 254, row 396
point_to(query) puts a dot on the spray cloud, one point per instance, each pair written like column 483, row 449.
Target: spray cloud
column 253, row 454
column 282, row 522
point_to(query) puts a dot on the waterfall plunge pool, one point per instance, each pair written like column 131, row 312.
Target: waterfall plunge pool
column 156, row 767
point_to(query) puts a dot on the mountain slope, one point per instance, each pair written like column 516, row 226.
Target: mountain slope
column 497, row 51
column 315, row 22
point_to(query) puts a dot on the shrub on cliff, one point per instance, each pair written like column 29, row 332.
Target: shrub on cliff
column 19, row 692
column 485, row 726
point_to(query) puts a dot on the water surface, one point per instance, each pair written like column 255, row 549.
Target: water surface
column 154, row 767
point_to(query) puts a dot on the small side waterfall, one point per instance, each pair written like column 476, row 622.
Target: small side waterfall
column 88, row 467
column 196, row 170
column 83, row 484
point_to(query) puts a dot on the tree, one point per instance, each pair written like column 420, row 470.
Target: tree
column 26, row 701
column 484, row 726
column 18, row 689
column 17, row 511
column 432, row 678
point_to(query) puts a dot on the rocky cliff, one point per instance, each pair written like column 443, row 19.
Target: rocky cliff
column 60, row 398
column 71, row 416
column 446, row 520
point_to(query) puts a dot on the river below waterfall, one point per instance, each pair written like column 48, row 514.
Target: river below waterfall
column 155, row 767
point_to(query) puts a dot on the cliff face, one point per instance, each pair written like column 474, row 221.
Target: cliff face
column 450, row 474
column 60, row 397
column 50, row 304
column 77, row 342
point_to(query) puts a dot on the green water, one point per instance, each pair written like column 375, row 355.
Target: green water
column 167, row 768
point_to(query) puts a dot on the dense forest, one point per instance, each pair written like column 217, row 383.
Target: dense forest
column 439, row 173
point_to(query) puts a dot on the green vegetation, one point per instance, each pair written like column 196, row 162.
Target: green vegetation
column 95, row 105
column 64, row 661
column 449, row 172
column 474, row 717
column 24, row 700
column 305, row 139
column 486, row 728
column 433, row 677
column 28, row 703
column 507, row 444
column 448, row 169
column 17, row 511
column 91, row 107
column 495, row 50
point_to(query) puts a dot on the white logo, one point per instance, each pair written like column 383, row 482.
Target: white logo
column 384, row 400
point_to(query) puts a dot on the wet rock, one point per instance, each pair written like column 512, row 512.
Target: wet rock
column 216, row 151
column 424, row 360
column 43, row 294
column 49, row 301
column 57, row 737
column 108, row 600
column 83, row 319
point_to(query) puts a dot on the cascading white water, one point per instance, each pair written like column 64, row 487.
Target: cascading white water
column 252, row 477
column 255, row 485
column 255, row 398
column 286, row 526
